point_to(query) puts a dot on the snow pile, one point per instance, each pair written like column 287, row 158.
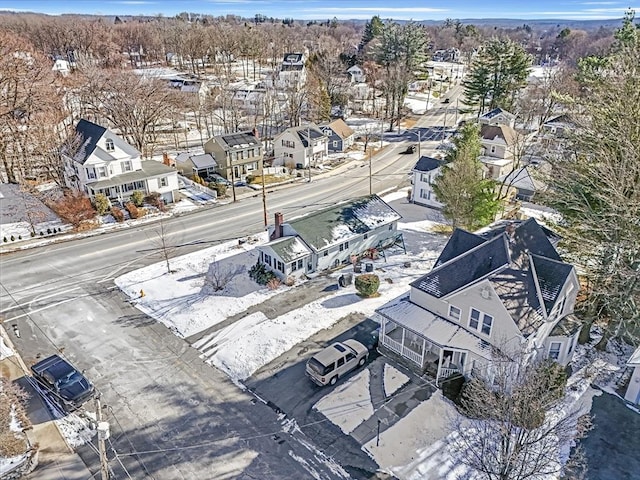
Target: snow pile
column 5, row 350
column 75, row 430
column 394, row 380
column 349, row 404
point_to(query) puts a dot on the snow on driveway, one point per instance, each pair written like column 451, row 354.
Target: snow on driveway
column 349, row 404
column 394, row 380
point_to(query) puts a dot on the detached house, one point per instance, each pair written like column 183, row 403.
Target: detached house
column 235, row 155
column 498, row 116
column 488, row 296
column 340, row 135
column 104, row 163
column 328, row 238
column 424, row 174
column 292, row 74
column 301, row 147
column 498, row 146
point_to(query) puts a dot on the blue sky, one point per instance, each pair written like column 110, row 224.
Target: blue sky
column 342, row 9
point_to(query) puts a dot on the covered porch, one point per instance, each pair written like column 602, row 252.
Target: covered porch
column 438, row 361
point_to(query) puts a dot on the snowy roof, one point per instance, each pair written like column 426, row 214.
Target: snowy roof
column 289, row 248
column 340, row 223
column 522, row 180
column 436, row 329
column 635, row 358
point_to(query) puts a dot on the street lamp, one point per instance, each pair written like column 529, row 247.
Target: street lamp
column 418, row 134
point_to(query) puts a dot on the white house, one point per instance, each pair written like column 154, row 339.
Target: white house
column 425, row 171
column 357, row 74
column 292, row 74
column 330, row 237
column 633, row 390
column 488, row 296
column 498, row 148
column 62, row 67
column 498, row 116
column 301, row 147
column 102, row 162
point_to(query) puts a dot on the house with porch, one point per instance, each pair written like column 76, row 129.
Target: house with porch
column 329, row 238
column 236, row 154
column 489, row 297
column 301, row 147
column 340, row 135
column 499, row 143
column 102, row 162
column 424, row 174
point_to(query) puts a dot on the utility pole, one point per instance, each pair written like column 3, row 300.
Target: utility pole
column 457, row 108
column 309, row 146
column 103, row 435
column 419, row 156
column 264, row 195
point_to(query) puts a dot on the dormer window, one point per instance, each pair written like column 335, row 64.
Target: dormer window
column 109, row 145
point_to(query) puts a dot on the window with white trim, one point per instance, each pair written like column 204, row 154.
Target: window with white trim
column 480, row 321
column 109, row 145
column 454, row 312
column 126, row 166
column 554, row 350
column 164, row 182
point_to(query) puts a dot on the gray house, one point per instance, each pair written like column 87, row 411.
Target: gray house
column 340, row 135
column 203, row 165
column 488, row 297
column 330, row 237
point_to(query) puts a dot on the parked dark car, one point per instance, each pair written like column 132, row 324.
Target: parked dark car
column 62, row 383
column 410, row 149
column 446, row 100
column 218, row 179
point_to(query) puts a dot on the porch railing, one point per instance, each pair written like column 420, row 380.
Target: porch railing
column 402, row 350
column 446, row 372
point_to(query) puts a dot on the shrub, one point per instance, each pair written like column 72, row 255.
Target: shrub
column 260, row 274
column 74, row 207
column 19, row 237
column 33, row 234
column 367, row 284
column 41, row 233
column 251, row 178
column 452, row 387
column 132, row 209
column 273, row 284
column 4, row 239
column 220, row 188
column 118, row 214
column 197, row 179
column 101, row 203
column 13, row 239
column 155, row 199
column 137, row 197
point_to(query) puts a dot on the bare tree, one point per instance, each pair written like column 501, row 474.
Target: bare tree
column 164, row 244
column 514, row 422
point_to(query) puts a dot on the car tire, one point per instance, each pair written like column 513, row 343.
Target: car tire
column 333, row 380
column 362, row 361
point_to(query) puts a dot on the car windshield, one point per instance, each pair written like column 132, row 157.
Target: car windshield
column 68, row 380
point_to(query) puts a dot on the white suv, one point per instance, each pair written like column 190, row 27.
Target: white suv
column 338, row 359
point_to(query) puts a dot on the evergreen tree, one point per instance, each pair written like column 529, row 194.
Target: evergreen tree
column 595, row 186
column 496, row 75
column 468, row 199
column 372, row 29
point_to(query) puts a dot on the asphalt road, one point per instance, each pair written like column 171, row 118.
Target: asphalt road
column 172, row 416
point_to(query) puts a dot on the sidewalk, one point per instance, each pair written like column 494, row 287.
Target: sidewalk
column 56, row 461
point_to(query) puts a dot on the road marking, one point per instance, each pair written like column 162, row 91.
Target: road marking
column 38, row 298
column 61, row 302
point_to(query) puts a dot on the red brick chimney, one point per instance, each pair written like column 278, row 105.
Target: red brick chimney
column 255, row 133
column 278, row 221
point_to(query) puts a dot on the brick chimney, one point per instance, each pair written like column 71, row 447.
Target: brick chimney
column 255, row 133
column 278, row 220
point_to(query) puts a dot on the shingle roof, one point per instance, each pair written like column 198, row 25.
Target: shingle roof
column 504, row 132
column 205, row 160
column 230, row 140
column 341, row 129
column 306, row 132
column 426, row 164
column 289, row 249
column 88, row 136
column 465, row 269
column 522, row 180
column 460, row 241
column 513, row 260
column 495, row 112
column 340, row 223
column 567, row 326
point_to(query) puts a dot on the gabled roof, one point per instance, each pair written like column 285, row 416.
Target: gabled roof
column 562, row 120
column 229, row 141
column 427, row 164
column 635, row 358
column 465, row 269
column 89, row 134
column 305, row 132
column 495, row 112
column 518, row 260
column 341, row 128
column 522, row 180
column 568, row 326
column 205, row 160
column 460, row 242
column 289, row 248
column 338, row 224
column 503, row 132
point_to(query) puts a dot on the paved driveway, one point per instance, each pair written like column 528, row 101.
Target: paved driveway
column 284, row 385
column 612, row 446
